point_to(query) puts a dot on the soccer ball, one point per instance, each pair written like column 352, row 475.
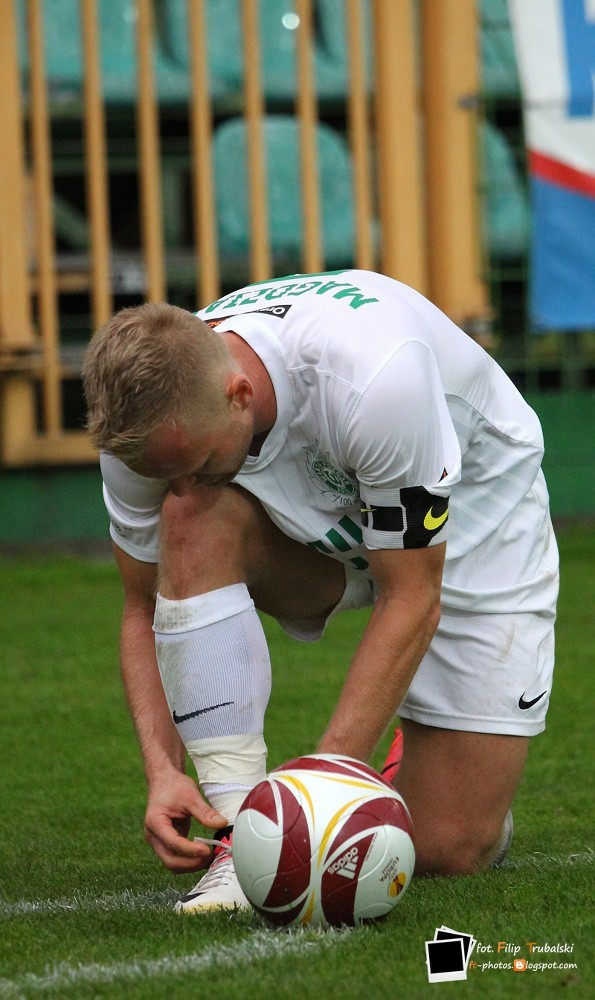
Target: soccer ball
column 323, row 841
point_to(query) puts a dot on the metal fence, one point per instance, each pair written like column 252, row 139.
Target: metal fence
column 172, row 149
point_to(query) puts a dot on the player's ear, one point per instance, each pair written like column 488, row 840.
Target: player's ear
column 239, row 390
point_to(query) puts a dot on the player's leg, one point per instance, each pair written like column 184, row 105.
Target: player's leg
column 220, row 555
column 480, row 693
column 216, row 537
column 220, row 552
column 459, row 787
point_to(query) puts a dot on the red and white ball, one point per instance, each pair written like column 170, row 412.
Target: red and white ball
column 323, row 841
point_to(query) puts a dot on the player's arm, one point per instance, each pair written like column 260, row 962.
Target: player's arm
column 401, row 442
column 173, row 797
column 400, row 629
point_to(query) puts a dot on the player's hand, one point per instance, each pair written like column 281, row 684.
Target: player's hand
column 174, row 800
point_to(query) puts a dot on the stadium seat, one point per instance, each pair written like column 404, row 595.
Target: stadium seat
column 506, row 212
column 332, row 43
column 281, row 139
column 278, row 44
column 498, row 59
column 225, row 52
column 64, row 53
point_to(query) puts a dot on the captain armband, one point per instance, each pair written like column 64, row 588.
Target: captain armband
column 417, row 518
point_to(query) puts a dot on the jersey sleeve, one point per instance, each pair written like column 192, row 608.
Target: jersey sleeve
column 133, row 504
column 401, row 442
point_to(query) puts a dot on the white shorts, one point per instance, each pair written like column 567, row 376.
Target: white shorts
column 483, row 673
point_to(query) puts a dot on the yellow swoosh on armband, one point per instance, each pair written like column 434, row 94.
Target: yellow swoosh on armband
column 431, row 523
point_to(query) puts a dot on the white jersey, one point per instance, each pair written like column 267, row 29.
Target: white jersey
column 394, row 430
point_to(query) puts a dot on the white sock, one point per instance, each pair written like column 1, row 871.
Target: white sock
column 215, row 669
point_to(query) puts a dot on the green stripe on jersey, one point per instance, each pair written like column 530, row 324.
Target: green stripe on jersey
column 352, row 529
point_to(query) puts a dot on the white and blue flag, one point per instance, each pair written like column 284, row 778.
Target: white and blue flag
column 555, row 45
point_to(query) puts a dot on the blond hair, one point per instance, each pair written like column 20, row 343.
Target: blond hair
column 150, row 365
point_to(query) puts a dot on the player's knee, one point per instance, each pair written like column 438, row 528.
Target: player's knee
column 197, row 514
column 177, row 513
column 201, row 541
column 456, row 849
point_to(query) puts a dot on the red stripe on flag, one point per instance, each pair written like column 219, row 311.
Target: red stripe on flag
column 561, row 174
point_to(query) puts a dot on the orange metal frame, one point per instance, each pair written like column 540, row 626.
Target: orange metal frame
column 412, row 146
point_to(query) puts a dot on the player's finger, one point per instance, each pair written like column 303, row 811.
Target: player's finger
column 195, row 806
column 174, row 862
column 177, row 853
column 208, row 816
column 162, row 831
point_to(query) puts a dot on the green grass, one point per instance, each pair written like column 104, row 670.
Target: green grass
column 85, row 908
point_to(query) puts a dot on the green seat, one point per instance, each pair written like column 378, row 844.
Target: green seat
column 332, row 44
column 62, row 46
column 506, row 215
column 224, row 42
column 498, row 58
column 278, row 22
column 225, row 48
column 64, row 53
column 281, row 141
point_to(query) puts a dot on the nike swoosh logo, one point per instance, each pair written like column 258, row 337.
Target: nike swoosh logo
column 431, row 522
column 199, row 711
column 528, row 704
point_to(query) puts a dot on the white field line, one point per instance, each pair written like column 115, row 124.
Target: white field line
column 165, row 898
column 540, row 860
column 261, row 945
column 90, row 904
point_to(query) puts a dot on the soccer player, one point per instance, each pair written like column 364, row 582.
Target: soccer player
column 304, row 446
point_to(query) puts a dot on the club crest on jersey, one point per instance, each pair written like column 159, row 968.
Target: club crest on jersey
column 328, row 477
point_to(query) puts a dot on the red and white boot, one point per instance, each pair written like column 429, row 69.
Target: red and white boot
column 219, row 888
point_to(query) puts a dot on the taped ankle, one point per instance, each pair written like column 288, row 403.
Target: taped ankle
column 228, row 769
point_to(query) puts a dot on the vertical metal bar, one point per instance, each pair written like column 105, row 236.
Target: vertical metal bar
column 260, row 251
column 149, row 157
column 17, row 403
column 359, row 135
column 45, row 234
column 400, row 174
column 15, row 311
column 201, row 135
column 308, row 117
column 96, row 166
column 451, row 73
